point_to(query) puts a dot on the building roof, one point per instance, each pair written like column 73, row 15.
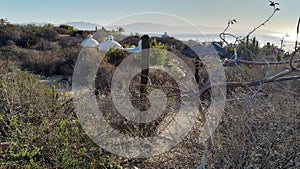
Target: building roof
column 89, row 42
column 199, row 50
column 109, row 43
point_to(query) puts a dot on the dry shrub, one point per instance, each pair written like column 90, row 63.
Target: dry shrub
column 260, row 124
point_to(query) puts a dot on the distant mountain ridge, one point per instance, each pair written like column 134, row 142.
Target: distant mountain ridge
column 36, row 23
column 161, row 28
column 77, row 25
column 158, row 28
column 84, row 25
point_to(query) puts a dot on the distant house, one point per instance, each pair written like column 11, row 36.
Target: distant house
column 200, row 50
column 165, row 35
column 221, row 51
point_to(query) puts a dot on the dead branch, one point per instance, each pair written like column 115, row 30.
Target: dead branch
column 239, row 39
column 275, row 9
column 248, row 84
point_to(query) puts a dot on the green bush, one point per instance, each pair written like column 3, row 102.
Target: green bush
column 39, row 128
column 63, row 26
column 115, row 56
column 159, row 55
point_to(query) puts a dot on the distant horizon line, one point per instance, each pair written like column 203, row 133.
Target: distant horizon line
column 152, row 23
column 181, row 35
column 91, row 26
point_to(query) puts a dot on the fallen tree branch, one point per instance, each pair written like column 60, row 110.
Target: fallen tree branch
column 290, row 61
column 264, row 63
column 248, row 84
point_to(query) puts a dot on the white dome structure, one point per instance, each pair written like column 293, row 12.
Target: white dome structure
column 90, row 42
column 135, row 49
column 110, row 37
column 109, row 43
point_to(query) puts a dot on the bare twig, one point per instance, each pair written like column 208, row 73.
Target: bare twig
column 224, row 34
column 275, row 9
column 238, row 39
column 291, row 61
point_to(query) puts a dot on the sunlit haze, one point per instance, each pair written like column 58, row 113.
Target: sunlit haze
column 213, row 13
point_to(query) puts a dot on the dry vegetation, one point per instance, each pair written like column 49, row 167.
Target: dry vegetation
column 260, row 127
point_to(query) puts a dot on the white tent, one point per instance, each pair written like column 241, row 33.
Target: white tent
column 89, row 42
column 108, row 44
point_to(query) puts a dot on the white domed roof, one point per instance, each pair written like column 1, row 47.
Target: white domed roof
column 89, row 42
column 110, row 37
column 108, row 44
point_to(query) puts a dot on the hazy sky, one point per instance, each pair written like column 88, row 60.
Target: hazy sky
column 213, row 13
